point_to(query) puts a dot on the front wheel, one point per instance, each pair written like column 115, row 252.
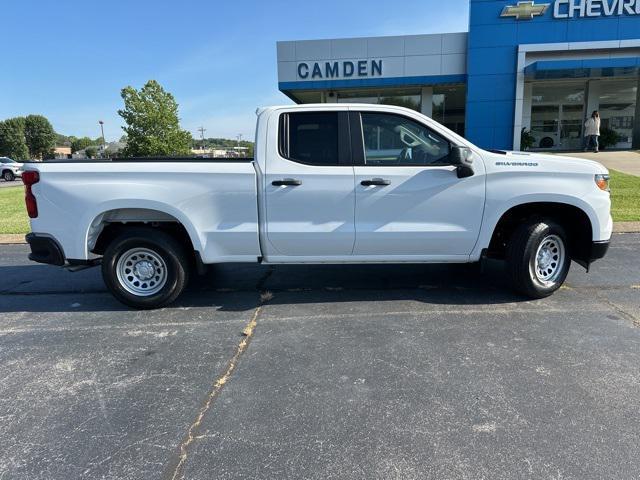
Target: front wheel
column 145, row 268
column 8, row 176
column 537, row 258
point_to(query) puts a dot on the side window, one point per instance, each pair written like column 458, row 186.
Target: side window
column 393, row 140
column 310, row 138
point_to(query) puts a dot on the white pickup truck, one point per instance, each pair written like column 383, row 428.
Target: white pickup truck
column 329, row 184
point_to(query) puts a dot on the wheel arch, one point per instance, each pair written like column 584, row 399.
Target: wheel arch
column 112, row 219
column 577, row 222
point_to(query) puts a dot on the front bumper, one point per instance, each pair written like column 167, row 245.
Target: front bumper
column 599, row 250
column 45, row 250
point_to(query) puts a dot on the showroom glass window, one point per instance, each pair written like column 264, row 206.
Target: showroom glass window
column 449, row 107
column 312, row 138
column 394, row 140
column 617, row 99
column 410, row 98
column 558, row 115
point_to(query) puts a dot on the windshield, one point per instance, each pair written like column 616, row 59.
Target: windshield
column 7, row 160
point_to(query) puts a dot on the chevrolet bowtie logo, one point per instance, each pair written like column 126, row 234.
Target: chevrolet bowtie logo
column 525, row 10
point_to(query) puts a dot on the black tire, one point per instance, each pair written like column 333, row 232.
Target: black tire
column 521, row 258
column 158, row 243
column 8, row 176
column 547, row 142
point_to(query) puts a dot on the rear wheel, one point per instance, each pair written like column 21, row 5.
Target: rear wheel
column 537, row 258
column 145, row 268
column 8, row 176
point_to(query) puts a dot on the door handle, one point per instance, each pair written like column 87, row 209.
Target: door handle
column 287, row 182
column 376, row 182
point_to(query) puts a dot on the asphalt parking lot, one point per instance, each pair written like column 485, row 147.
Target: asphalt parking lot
column 358, row 372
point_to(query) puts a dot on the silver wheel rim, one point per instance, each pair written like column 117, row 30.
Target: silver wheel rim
column 141, row 272
column 549, row 260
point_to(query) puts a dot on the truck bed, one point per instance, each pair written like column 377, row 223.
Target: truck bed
column 148, row 160
column 214, row 199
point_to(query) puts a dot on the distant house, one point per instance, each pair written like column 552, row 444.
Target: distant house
column 62, row 152
column 82, row 154
column 114, row 148
column 225, row 152
column 111, row 149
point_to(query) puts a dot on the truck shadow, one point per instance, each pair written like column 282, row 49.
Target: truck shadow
column 238, row 287
column 300, row 284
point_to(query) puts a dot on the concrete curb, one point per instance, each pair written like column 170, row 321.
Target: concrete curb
column 12, row 239
column 626, row 227
column 618, row 227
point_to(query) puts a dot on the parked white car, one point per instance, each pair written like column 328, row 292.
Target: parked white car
column 330, row 184
column 10, row 169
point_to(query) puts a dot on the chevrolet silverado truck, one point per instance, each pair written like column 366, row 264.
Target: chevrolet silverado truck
column 334, row 184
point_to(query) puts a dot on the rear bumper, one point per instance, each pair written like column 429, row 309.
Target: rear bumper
column 45, row 250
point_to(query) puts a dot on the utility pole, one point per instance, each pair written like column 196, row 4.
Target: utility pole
column 239, row 138
column 202, row 130
column 104, row 146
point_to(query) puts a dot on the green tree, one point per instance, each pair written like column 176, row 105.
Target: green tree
column 91, row 152
column 12, row 141
column 39, row 135
column 63, row 140
column 78, row 144
column 153, row 126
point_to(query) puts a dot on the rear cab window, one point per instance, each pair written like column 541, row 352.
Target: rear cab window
column 315, row 138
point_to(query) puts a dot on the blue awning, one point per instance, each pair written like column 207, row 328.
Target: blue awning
column 592, row 67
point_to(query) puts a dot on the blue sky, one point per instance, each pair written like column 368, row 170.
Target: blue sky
column 69, row 59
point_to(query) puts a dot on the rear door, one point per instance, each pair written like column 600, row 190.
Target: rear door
column 410, row 203
column 309, row 187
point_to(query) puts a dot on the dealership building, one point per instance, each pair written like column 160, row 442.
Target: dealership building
column 541, row 67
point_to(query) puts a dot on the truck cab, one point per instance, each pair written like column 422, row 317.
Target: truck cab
column 370, row 185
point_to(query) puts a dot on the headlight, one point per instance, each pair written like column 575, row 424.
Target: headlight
column 602, row 181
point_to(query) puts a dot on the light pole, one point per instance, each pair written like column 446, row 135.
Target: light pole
column 104, row 147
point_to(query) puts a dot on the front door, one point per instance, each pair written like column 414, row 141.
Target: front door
column 309, row 190
column 410, row 203
column 557, row 115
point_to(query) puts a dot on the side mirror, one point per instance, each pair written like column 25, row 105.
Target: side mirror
column 462, row 158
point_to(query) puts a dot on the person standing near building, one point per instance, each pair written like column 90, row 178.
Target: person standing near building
column 592, row 132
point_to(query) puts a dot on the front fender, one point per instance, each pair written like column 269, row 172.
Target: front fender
column 600, row 221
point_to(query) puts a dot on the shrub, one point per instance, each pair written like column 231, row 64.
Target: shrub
column 526, row 140
column 608, row 138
